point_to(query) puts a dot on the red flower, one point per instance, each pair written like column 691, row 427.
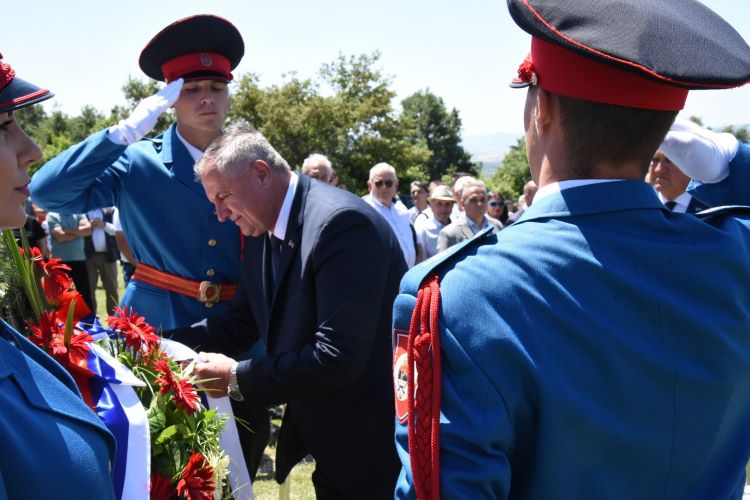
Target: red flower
column 161, row 488
column 65, row 299
column 78, row 347
column 196, row 481
column 134, row 328
column 49, row 335
column 185, row 396
column 55, row 279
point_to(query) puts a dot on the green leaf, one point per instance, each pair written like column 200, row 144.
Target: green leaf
column 167, row 434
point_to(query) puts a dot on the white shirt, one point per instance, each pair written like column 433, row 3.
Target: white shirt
column 397, row 216
column 680, row 203
column 282, row 221
column 98, row 234
column 194, row 152
column 428, row 230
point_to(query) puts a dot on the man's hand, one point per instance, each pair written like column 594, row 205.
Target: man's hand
column 213, row 366
column 96, row 223
column 144, row 116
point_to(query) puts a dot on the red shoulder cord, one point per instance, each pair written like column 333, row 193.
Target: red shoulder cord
column 424, row 405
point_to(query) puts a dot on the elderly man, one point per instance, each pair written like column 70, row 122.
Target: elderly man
column 473, row 219
column 383, row 185
column 428, row 228
column 671, row 183
column 309, row 251
column 319, row 167
column 598, row 347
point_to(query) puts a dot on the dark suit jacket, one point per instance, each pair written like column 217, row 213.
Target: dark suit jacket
column 326, row 325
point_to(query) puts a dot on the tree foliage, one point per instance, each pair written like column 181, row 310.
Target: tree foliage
column 440, row 129
column 513, row 172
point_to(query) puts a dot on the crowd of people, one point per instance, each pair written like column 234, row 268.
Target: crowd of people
column 591, row 343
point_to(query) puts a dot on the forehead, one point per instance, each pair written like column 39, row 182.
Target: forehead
column 662, row 158
column 383, row 174
column 474, row 190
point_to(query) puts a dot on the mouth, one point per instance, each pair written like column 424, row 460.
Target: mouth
column 24, row 190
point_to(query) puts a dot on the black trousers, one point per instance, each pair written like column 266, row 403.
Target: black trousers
column 80, row 275
column 254, row 430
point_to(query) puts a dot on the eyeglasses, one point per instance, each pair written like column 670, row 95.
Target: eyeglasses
column 496, row 203
column 379, row 184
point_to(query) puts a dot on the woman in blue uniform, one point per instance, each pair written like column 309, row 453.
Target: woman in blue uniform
column 53, row 445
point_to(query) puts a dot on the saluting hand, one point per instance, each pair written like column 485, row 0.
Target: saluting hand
column 143, row 118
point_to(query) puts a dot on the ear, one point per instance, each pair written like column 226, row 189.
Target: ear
column 262, row 171
column 546, row 110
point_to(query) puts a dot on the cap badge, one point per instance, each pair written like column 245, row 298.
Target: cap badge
column 206, row 60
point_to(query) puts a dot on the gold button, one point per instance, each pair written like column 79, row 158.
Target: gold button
column 210, row 272
column 208, row 304
column 212, row 242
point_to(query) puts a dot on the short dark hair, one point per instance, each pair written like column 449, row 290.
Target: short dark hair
column 597, row 133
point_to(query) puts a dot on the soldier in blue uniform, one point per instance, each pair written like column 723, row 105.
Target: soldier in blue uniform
column 53, row 445
column 598, row 347
column 188, row 263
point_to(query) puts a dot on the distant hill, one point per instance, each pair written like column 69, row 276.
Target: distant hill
column 489, row 149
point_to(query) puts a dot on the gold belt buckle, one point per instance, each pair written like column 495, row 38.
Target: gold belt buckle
column 209, row 293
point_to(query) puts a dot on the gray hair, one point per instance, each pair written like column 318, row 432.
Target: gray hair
column 472, row 182
column 320, row 161
column 382, row 167
column 235, row 150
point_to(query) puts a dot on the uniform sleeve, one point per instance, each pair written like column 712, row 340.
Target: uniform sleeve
column 85, row 176
column 735, row 189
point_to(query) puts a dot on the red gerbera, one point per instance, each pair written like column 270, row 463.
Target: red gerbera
column 55, row 279
column 65, row 299
column 161, row 488
column 183, row 392
column 134, row 329
column 49, row 335
column 196, row 481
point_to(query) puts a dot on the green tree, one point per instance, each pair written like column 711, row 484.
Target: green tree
column 354, row 124
column 742, row 133
column 441, row 131
column 513, row 172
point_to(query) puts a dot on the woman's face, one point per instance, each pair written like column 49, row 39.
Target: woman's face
column 17, row 153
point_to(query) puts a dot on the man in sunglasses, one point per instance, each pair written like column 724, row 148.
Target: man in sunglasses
column 383, row 185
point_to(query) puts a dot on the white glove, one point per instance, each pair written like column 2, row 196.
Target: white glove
column 143, row 118
column 702, row 154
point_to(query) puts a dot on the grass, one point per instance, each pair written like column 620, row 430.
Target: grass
column 265, row 486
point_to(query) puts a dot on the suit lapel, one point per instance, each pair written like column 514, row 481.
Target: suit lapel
column 466, row 230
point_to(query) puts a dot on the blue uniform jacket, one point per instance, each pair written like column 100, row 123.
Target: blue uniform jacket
column 53, row 445
column 598, row 348
column 169, row 222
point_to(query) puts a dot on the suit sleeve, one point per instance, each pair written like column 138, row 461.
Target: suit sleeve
column 351, row 263
column 85, row 176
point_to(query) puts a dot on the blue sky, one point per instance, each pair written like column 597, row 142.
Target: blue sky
column 464, row 51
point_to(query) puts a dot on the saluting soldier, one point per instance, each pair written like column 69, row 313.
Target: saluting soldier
column 188, row 262
column 598, row 347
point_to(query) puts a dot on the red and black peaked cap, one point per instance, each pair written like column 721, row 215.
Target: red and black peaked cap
column 16, row 93
column 197, row 47
column 635, row 53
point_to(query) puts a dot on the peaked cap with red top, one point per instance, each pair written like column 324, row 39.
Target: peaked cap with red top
column 194, row 48
column 16, row 93
column 634, row 53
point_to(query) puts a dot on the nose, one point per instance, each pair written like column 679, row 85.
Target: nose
column 28, row 152
column 222, row 212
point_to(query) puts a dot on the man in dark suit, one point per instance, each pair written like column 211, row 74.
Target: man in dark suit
column 671, row 185
column 320, row 272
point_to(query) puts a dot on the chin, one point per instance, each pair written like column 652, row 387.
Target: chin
column 13, row 218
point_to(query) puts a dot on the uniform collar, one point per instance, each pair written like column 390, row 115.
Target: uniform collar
column 592, row 198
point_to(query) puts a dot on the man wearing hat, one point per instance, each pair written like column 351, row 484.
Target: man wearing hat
column 588, row 367
column 188, row 261
column 428, row 228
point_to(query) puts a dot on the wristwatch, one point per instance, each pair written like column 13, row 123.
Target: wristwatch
column 233, row 390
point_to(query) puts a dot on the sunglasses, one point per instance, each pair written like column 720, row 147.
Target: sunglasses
column 496, row 203
column 379, row 184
